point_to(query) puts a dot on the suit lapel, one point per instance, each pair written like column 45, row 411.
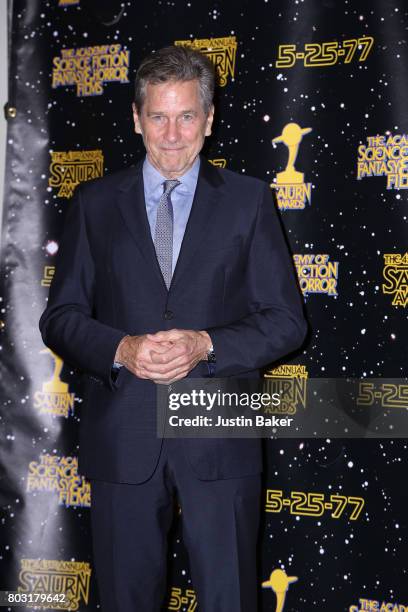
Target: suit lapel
column 201, row 217
column 131, row 203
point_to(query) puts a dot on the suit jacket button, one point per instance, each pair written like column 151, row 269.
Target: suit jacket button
column 168, row 314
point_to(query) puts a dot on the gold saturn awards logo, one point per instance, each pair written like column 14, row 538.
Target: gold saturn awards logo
column 221, row 51
column 290, row 381
column 279, row 583
column 54, row 397
column 69, row 168
column 291, row 191
column 65, row 583
column 395, row 275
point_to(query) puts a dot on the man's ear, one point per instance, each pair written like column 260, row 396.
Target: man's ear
column 136, row 119
column 209, row 122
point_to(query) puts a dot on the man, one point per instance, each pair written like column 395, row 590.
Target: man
column 170, row 269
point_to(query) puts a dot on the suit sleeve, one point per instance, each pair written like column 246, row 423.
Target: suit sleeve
column 67, row 325
column 275, row 325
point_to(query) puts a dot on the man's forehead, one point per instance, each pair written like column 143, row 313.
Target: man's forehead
column 170, row 82
column 173, row 87
column 172, row 96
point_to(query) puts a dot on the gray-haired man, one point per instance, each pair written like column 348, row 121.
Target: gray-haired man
column 171, row 269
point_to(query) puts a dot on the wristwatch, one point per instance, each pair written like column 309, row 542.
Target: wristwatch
column 211, row 355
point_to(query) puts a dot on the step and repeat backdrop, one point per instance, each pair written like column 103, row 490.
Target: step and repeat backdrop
column 312, row 99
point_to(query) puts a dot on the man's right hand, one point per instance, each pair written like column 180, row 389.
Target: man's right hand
column 134, row 352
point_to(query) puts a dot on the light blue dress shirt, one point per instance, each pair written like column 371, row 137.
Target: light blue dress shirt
column 181, row 199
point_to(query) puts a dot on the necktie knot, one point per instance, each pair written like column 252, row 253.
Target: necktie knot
column 170, row 185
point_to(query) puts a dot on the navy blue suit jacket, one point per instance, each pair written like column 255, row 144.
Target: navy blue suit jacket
column 234, row 278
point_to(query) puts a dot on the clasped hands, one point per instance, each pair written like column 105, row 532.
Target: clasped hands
column 165, row 356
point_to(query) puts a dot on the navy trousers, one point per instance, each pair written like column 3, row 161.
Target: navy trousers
column 220, row 520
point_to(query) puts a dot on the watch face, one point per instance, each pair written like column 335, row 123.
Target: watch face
column 211, row 356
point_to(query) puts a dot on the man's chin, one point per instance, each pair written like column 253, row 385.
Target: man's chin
column 169, row 166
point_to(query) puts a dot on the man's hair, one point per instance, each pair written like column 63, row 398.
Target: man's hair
column 176, row 64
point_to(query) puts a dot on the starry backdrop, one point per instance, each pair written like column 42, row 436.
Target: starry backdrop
column 358, row 332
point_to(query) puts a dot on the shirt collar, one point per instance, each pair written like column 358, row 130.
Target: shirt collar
column 153, row 180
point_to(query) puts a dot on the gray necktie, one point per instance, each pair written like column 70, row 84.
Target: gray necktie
column 163, row 235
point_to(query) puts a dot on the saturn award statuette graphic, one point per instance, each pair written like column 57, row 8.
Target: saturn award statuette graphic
column 55, row 385
column 291, row 136
column 54, row 397
column 291, row 190
column 279, row 583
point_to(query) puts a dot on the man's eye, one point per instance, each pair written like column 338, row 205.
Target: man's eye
column 188, row 117
column 157, row 118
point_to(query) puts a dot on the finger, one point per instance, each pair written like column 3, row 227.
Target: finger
column 162, row 336
column 178, row 375
column 168, row 335
column 141, row 374
column 163, row 369
column 159, row 347
column 144, row 355
column 169, row 355
column 152, row 360
column 168, row 369
column 158, row 338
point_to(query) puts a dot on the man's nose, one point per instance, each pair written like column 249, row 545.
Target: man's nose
column 172, row 131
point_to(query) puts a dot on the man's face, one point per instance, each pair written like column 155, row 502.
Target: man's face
column 173, row 125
